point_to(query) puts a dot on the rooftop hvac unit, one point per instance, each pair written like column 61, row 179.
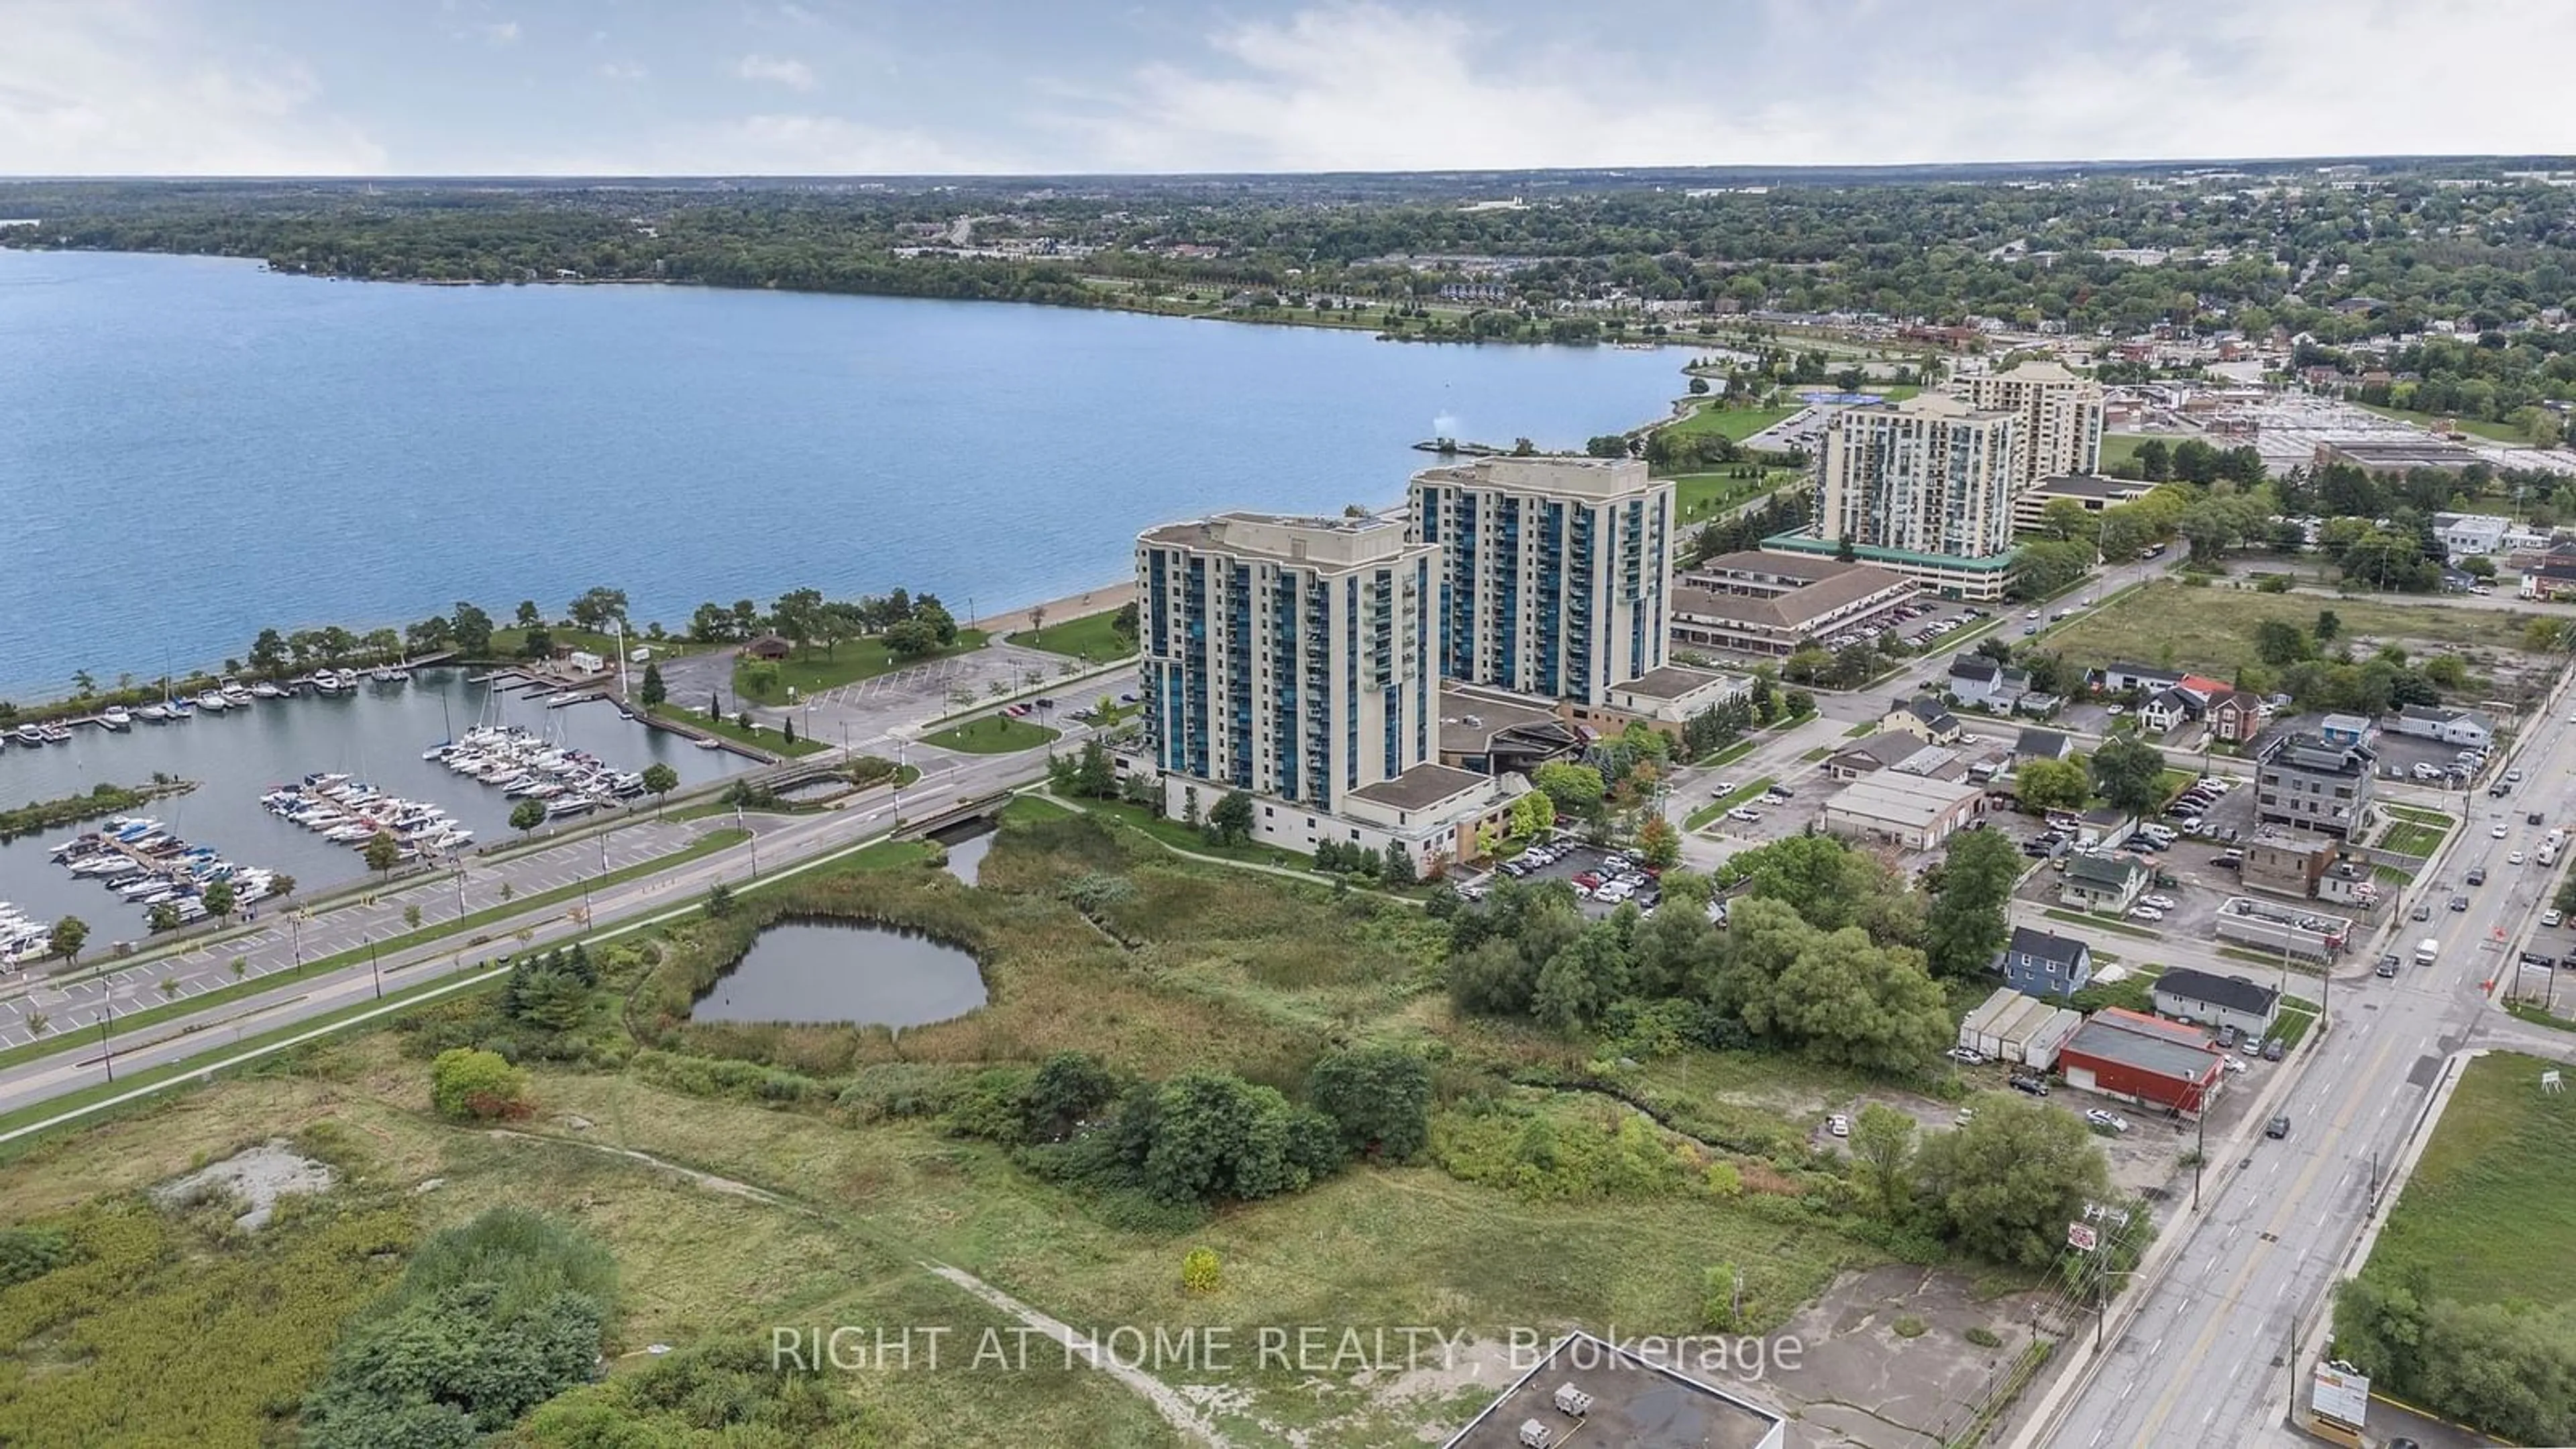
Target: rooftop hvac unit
column 1536, row 1435
column 1574, row 1401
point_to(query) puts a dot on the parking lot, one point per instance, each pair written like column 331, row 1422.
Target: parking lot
column 2198, row 879
column 1774, row 815
column 1603, row 880
column 1919, row 622
column 2427, row 762
column 2146, row 1158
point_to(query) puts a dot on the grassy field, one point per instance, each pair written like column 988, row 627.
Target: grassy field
column 1699, row 496
column 2408, row 838
column 2474, row 427
column 2211, row 631
column 771, row 741
column 994, row 734
column 2491, row 1207
column 811, row 1199
column 2118, row 448
column 852, row 660
column 1736, row 423
column 506, row 644
column 1088, row 638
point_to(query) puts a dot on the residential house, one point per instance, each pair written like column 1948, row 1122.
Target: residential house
column 2235, row 717
column 2118, row 677
column 2450, row 725
column 2105, row 828
column 1925, row 718
column 2208, row 999
column 2036, row 963
column 1987, row 684
column 2169, row 710
column 767, row 646
column 2037, row 705
column 2103, row 881
column 2551, row 576
column 1882, row 751
column 2038, row 744
column 2345, row 729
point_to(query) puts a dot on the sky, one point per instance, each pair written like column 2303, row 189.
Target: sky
column 858, row 87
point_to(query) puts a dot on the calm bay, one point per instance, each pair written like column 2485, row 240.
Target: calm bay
column 192, row 449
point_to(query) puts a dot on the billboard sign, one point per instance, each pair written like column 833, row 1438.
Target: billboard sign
column 2341, row 1395
column 2082, row 1237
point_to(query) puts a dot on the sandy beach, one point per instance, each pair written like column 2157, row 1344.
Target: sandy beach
column 1072, row 606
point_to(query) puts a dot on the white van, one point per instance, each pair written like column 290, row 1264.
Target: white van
column 2428, row 951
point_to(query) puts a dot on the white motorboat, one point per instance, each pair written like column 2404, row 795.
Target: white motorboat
column 116, row 717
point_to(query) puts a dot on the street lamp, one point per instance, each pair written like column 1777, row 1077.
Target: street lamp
column 374, row 969
column 106, row 1026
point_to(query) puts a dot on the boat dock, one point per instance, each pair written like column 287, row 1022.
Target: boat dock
column 146, row 865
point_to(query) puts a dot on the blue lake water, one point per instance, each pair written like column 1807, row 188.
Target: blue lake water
column 192, row 449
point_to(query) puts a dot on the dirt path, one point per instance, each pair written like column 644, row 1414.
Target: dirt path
column 1176, row 1410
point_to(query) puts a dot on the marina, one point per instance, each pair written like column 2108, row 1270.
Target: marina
column 146, row 866
column 368, row 731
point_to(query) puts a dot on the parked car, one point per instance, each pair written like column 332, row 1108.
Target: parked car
column 2035, row 1086
column 1967, row 1056
column 2226, row 1037
column 2253, row 1046
column 2145, row 913
column 1749, row 817
column 2112, row 1121
column 2231, row 1063
column 1838, row 1124
column 2273, row 1049
column 2550, row 917
column 2162, row 903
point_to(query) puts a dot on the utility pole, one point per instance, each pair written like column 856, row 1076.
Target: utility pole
column 375, row 970
column 2200, row 1153
column 106, row 1026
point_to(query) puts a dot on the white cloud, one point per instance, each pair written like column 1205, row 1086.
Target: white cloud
column 111, row 87
column 501, row 32
column 794, row 74
column 1376, row 86
column 623, row 70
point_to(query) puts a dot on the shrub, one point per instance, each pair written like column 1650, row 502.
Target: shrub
column 1909, row 1326
column 28, row 1253
column 1984, row 1337
column 1200, row 1271
column 469, row 1084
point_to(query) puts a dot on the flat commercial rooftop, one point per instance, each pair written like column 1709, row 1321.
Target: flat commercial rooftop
column 1636, row 1404
column 1421, row 787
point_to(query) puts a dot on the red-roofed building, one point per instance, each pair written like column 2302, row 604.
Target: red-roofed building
column 2142, row 1059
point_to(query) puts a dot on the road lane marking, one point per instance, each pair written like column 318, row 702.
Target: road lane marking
column 2181, row 1374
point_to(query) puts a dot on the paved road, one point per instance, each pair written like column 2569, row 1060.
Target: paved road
column 777, row 840
column 2197, row 1363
